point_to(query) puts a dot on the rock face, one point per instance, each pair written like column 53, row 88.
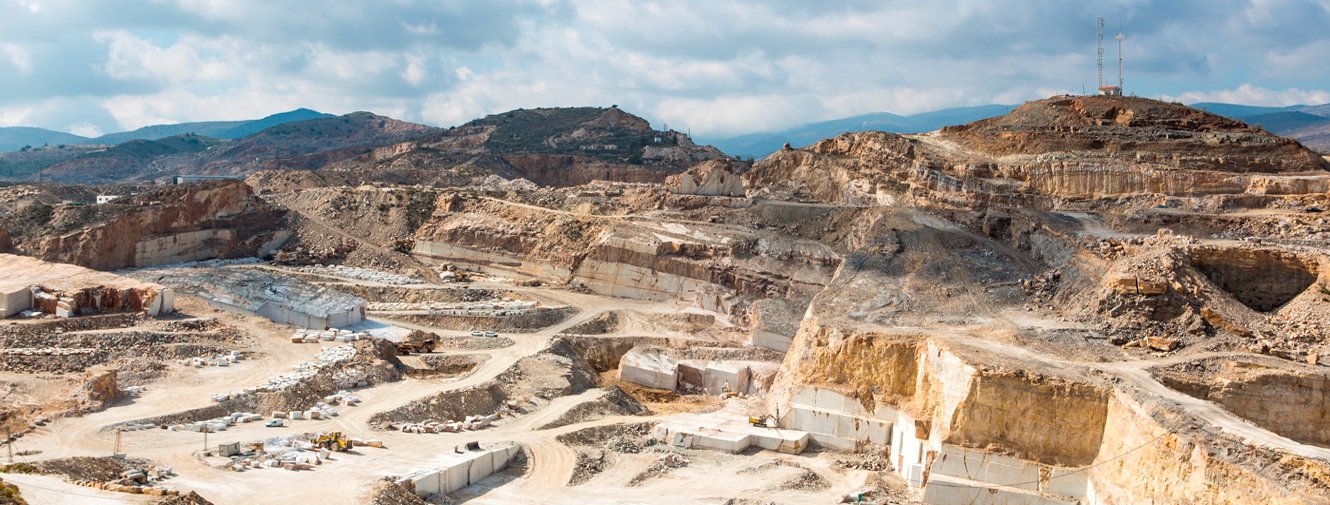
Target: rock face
column 711, row 178
column 183, row 223
column 6, row 242
column 1048, row 151
column 719, row 269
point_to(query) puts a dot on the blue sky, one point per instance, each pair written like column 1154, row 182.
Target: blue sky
column 715, row 67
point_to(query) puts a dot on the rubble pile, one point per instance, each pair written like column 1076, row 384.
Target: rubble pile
column 362, row 274
column 470, row 423
column 311, row 336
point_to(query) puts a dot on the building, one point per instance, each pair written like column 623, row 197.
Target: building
column 1110, row 90
column 101, row 199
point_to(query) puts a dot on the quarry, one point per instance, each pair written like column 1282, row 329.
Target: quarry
column 1091, row 300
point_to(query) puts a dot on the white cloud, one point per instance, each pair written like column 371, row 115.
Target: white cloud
column 1255, row 95
column 187, row 61
column 15, row 116
column 720, row 68
column 18, row 56
column 414, row 73
column 84, row 129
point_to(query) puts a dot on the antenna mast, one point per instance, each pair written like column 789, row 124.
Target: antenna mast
column 1120, row 38
column 1099, row 42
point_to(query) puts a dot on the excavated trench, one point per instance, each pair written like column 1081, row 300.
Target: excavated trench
column 1262, row 279
column 964, row 425
column 1288, row 399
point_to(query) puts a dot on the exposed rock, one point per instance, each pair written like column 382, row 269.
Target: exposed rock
column 192, row 222
column 721, row 177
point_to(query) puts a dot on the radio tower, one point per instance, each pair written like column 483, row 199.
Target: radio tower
column 1099, row 43
column 1120, row 37
column 1108, row 90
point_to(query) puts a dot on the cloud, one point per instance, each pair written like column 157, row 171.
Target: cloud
column 84, row 129
column 1255, row 95
column 719, row 68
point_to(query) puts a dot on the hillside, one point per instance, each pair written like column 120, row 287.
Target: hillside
column 135, row 160
column 302, row 144
column 1308, row 124
column 759, row 145
column 1049, row 151
column 14, row 138
column 214, row 129
column 548, row 146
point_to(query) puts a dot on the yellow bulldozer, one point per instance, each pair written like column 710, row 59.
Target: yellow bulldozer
column 333, row 441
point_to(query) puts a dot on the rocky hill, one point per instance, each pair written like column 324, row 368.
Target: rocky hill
column 301, row 144
column 551, row 147
column 1062, row 148
column 132, row 160
column 220, row 219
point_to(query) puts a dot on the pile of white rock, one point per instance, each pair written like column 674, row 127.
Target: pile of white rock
column 304, row 370
column 308, row 336
column 218, row 424
column 470, row 423
column 46, row 351
column 218, row 360
column 363, row 274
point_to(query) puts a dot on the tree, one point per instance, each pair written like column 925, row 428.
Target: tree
column 25, row 149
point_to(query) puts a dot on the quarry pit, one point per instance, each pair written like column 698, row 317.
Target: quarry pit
column 926, row 319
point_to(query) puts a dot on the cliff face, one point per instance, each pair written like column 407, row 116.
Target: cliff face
column 184, row 223
column 1046, row 151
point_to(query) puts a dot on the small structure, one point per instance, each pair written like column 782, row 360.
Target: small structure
column 68, row 290
column 101, row 199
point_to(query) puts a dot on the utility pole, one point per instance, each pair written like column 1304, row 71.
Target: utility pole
column 115, row 451
column 9, row 443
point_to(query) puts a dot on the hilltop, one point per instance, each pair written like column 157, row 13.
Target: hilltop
column 548, row 146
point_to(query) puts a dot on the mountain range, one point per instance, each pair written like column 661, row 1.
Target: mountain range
column 17, row 137
column 1308, row 124
column 511, row 143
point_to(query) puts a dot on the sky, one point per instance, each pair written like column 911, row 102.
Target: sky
column 713, row 67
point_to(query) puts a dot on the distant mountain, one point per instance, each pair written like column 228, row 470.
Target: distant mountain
column 1309, row 124
column 13, row 138
column 161, row 131
column 1236, row 111
column 300, row 144
column 130, row 160
column 1287, row 121
column 759, row 145
column 214, row 129
column 251, row 127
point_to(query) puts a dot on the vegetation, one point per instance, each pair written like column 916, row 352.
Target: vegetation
column 9, row 494
column 530, row 131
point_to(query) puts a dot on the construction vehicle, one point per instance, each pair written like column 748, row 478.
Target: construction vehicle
column 333, row 441
column 767, row 421
column 416, row 342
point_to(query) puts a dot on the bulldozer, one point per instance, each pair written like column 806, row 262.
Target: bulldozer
column 333, row 441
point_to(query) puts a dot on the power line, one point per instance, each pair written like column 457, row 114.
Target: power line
column 67, row 492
